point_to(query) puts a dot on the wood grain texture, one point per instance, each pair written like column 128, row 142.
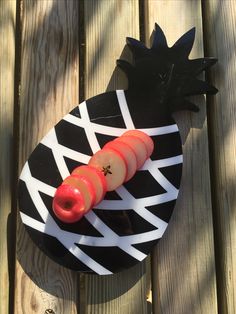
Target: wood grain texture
column 220, row 41
column 7, row 67
column 107, row 24
column 183, row 262
column 49, row 90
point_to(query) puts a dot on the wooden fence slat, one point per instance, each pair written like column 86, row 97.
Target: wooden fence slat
column 219, row 22
column 107, row 24
column 183, row 262
column 7, row 67
column 49, row 90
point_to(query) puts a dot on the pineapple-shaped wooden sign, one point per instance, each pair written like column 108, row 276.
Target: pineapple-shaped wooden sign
column 120, row 230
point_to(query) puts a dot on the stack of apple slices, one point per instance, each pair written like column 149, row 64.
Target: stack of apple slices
column 110, row 167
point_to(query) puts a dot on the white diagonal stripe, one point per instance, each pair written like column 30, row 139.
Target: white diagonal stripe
column 116, row 239
column 49, row 141
column 41, row 186
column 162, row 130
column 161, row 163
column 103, row 129
column 161, row 179
column 141, row 210
column 142, row 202
column 88, row 240
column 89, row 132
column 60, row 161
column 87, row 260
column 124, row 109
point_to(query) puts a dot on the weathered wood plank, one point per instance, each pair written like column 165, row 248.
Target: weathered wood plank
column 219, row 22
column 183, row 262
column 107, row 24
column 7, row 67
column 49, row 89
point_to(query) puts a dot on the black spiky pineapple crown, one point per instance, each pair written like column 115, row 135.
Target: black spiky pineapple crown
column 165, row 74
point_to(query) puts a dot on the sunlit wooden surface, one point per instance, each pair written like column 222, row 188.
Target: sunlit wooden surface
column 184, row 262
column 7, row 67
column 53, row 55
column 220, row 17
column 48, row 90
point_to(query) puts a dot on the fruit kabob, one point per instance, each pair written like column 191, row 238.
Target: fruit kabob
column 107, row 169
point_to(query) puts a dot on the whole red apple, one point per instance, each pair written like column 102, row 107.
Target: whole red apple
column 68, row 204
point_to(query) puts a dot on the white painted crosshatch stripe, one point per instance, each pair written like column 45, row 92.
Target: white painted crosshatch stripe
column 113, row 131
column 41, row 186
column 89, row 132
column 50, row 140
column 116, row 240
column 162, row 163
column 89, row 240
column 124, row 109
column 141, row 202
column 60, row 161
column 140, row 209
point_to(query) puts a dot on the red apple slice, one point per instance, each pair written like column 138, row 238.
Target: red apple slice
column 138, row 147
column 143, row 136
column 128, row 154
column 68, row 204
column 96, row 177
column 85, row 187
column 112, row 164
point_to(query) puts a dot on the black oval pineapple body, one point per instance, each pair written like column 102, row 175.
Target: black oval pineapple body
column 123, row 228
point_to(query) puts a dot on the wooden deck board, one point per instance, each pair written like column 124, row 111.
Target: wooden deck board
column 7, row 68
column 49, row 89
column 183, row 262
column 220, row 41
column 107, row 24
